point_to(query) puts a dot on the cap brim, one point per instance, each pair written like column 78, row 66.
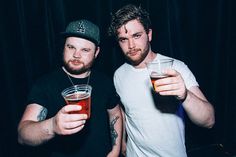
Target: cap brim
column 66, row 34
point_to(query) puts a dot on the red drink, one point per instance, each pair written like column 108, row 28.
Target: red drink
column 81, row 99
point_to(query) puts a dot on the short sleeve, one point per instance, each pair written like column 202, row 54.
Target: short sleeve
column 37, row 94
column 114, row 98
column 187, row 75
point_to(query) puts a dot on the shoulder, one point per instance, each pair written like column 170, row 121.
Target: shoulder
column 177, row 64
column 122, row 69
column 99, row 75
column 49, row 77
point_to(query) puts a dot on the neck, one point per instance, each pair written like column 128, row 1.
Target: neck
column 82, row 75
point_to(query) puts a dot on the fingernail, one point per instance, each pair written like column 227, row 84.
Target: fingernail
column 78, row 107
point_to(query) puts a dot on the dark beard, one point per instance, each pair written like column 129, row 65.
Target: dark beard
column 137, row 62
column 143, row 56
column 74, row 72
column 77, row 71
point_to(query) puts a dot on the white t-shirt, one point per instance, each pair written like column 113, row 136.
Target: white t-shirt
column 151, row 133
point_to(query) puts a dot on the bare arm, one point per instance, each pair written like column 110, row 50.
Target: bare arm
column 124, row 136
column 34, row 129
column 115, row 119
column 199, row 110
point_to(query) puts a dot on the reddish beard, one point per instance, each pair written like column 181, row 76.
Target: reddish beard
column 133, row 52
column 133, row 56
column 137, row 55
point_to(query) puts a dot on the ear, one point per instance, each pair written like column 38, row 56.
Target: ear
column 150, row 35
column 97, row 51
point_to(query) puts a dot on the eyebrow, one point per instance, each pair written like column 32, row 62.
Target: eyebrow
column 68, row 44
column 86, row 48
column 137, row 33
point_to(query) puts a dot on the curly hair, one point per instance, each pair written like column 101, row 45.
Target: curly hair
column 127, row 13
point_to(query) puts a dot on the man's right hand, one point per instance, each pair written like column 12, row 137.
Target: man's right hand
column 65, row 123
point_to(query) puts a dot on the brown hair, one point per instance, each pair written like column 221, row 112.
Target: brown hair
column 127, row 13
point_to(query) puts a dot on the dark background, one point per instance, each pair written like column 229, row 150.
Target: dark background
column 199, row 32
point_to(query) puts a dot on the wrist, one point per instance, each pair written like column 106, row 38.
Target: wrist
column 184, row 97
column 51, row 127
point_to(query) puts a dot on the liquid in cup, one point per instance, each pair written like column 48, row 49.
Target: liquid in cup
column 79, row 95
column 156, row 68
column 155, row 77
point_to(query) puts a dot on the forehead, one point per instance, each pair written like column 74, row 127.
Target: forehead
column 79, row 42
column 130, row 28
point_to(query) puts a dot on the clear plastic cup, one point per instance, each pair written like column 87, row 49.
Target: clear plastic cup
column 79, row 95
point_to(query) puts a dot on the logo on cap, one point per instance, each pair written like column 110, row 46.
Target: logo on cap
column 83, row 29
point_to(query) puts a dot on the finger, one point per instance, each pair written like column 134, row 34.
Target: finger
column 73, row 131
column 165, row 81
column 69, row 108
column 169, row 92
column 75, row 124
column 176, row 92
column 76, row 117
column 167, row 87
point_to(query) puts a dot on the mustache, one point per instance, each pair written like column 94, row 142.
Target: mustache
column 75, row 61
column 133, row 51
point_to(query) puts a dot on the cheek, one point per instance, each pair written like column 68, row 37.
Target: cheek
column 88, row 58
column 123, row 47
column 66, row 57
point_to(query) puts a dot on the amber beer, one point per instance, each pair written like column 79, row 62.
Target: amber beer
column 81, row 99
column 155, row 77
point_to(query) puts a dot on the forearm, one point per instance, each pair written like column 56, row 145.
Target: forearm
column 115, row 119
column 35, row 133
column 124, row 135
column 199, row 110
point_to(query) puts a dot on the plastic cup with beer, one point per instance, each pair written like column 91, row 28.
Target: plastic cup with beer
column 79, row 95
column 156, row 69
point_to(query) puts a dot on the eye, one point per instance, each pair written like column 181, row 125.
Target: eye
column 85, row 50
column 136, row 36
column 70, row 47
column 122, row 40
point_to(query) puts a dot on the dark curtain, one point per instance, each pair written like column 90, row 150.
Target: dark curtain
column 199, row 32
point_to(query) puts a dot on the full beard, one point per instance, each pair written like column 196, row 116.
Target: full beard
column 138, row 59
column 76, row 71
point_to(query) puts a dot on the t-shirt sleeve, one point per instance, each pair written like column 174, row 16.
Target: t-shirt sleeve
column 37, row 94
column 187, row 75
column 114, row 98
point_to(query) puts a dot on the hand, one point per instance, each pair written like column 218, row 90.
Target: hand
column 172, row 85
column 64, row 123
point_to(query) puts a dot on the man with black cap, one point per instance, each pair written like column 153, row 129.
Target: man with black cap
column 48, row 122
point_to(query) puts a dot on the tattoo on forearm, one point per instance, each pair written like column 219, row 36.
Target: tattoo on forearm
column 114, row 134
column 43, row 114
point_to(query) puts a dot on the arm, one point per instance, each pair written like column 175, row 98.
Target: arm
column 199, row 110
column 34, row 129
column 115, row 119
column 123, row 144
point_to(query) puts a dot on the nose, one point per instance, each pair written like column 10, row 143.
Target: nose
column 76, row 54
column 131, row 44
